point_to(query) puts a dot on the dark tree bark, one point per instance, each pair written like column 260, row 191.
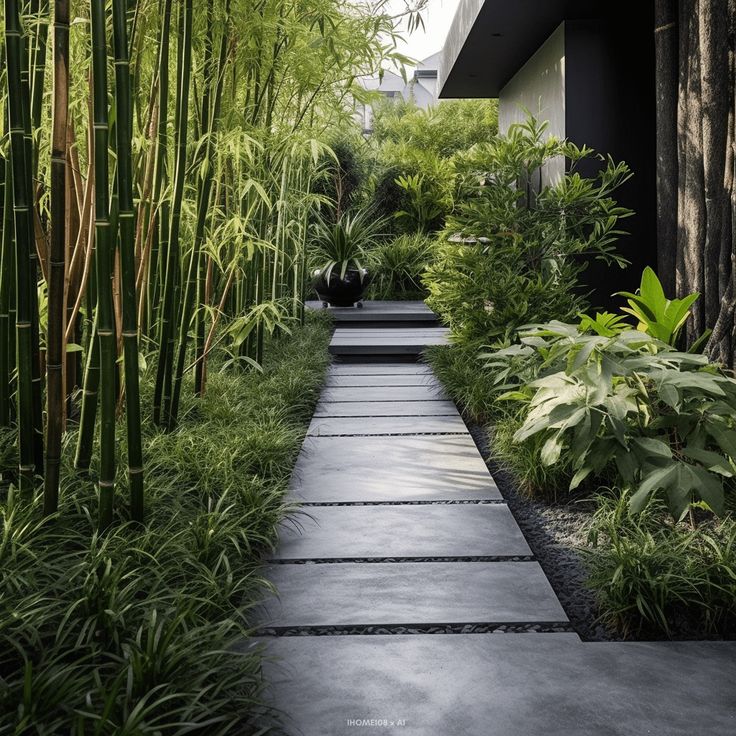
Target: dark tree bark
column 695, row 149
column 666, row 55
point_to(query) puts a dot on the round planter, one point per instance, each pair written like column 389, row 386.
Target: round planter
column 345, row 292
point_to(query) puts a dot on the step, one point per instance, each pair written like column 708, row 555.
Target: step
column 379, row 369
column 352, row 532
column 386, row 341
column 367, row 394
column 380, row 312
column 381, row 469
column 341, row 426
column 405, row 379
column 385, row 409
column 500, row 685
column 408, row 593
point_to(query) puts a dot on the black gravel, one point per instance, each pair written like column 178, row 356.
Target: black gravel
column 555, row 533
column 363, row 560
column 559, row 627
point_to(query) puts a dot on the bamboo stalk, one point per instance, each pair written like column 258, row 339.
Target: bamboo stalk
column 21, row 170
column 127, row 259
column 55, row 398
column 163, row 388
column 103, row 242
column 209, row 115
column 7, row 267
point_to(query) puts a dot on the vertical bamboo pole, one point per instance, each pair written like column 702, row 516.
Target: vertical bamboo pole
column 126, row 219
column 21, row 169
column 163, row 388
column 104, row 311
column 159, row 239
column 7, row 267
column 36, row 384
column 57, row 262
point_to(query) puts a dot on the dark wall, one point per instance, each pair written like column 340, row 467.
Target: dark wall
column 610, row 106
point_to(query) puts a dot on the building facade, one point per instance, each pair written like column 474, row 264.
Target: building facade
column 588, row 69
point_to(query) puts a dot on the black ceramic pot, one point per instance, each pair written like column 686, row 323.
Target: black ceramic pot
column 341, row 292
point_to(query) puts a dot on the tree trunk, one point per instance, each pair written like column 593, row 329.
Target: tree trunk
column 701, row 132
column 665, row 44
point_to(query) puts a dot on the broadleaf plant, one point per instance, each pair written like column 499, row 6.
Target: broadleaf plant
column 663, row 421
column 659, row 316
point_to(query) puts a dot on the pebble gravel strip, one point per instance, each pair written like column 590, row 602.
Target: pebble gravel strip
column 403, row 503
column 469, row 628
column 335, row 560
column 553, row 533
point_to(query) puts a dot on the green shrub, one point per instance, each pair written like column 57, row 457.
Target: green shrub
column 653, row 576
column 145, row 630
column 450, row 126
column 343, row 175
column 413, row 188
column 663, row 420
column 513, row 253
column 397, row 266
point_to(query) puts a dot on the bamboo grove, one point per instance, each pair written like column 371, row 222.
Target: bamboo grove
column 156, row 171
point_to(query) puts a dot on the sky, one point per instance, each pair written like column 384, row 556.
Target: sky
column 437, row 20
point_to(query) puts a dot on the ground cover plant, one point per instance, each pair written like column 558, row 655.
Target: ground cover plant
column 144, row 631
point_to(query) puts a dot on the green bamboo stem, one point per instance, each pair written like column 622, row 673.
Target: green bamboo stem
column 104, row 311
column 7, row 267
column 24, row 243
column 36, row 382
column 163, row 388
column 40, row 11
column 159, row 244
column 88, row 412
column 56, row 329
column 209, row 115
column 126, row 221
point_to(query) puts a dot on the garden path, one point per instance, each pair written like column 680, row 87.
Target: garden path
column 408, row 600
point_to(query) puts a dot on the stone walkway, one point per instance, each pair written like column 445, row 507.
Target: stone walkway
column 409, row 602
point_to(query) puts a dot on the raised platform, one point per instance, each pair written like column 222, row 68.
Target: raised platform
column 406, row 314
column 386, row 342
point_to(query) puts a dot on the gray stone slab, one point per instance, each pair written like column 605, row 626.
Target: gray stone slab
column 386, row 336
column 501, row 685
column 384, row 393
column 385, row 409
column 454, row 530
column 384, row 348
column 388, row 593
column 379, row 311
column 337, row 426
column 379, row 369
column 406, row 379
column 402, row 468
column 386, row 341
column 357, row 332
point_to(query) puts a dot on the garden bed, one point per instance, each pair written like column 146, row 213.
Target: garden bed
column 134, row 630
column 618, row 575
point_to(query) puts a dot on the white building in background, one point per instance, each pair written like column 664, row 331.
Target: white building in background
column 420, row 87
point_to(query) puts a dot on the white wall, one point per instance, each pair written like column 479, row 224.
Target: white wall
column 539, row 86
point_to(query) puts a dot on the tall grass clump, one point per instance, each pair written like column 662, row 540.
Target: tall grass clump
column 653, row 576
column 398, row 265
column 144, row 630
